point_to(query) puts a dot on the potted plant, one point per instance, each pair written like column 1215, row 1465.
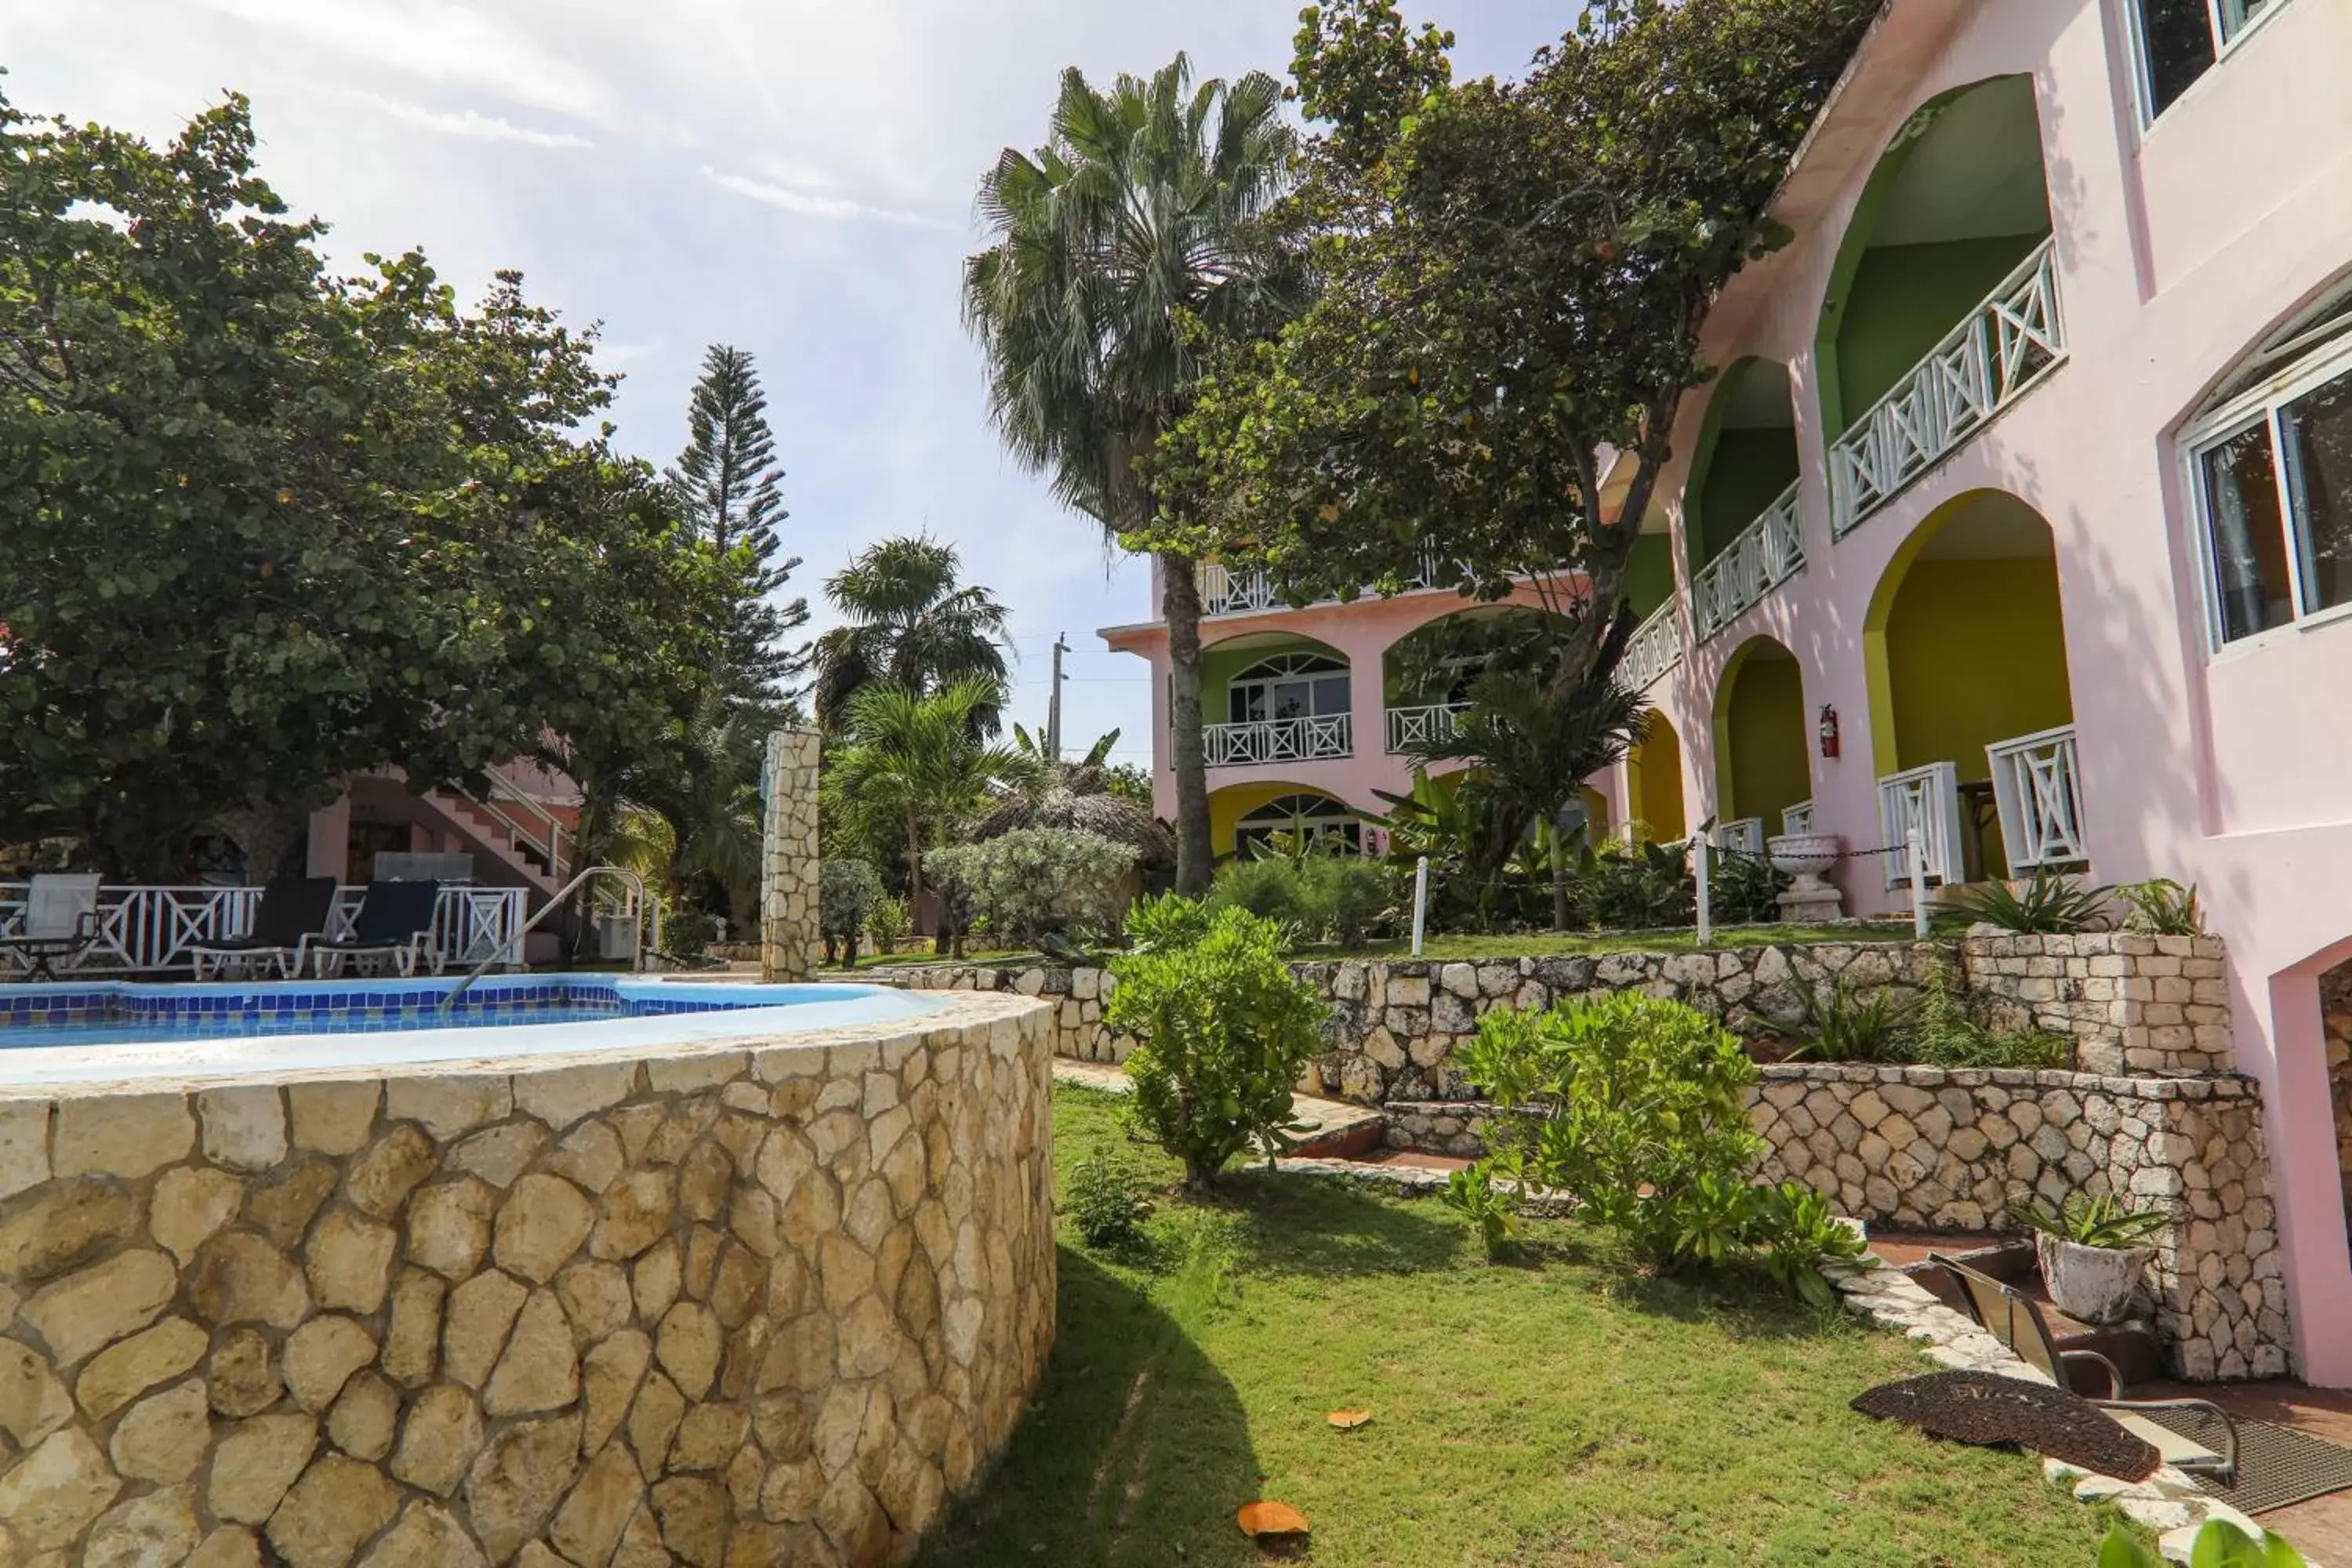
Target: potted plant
column 2092, row 1250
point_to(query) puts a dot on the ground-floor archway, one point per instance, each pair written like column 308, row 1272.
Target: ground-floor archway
column 1763, row 760
column 1256, row 812
column 1971, row 712
column 1653, row 783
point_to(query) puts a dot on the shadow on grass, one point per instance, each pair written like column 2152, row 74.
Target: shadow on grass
column 1306, row 1224
column 1135, row 1453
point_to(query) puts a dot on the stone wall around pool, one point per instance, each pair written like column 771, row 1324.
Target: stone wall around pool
column 763, row 1301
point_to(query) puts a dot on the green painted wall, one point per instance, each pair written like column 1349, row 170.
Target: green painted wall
column 1649, row 573
column 1976, row 652
column 1904, row 298
column 1749, row 470
column 1765, row 741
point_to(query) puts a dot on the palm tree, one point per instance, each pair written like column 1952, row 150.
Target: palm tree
column 1139, row 220
column 908, row 623
column 914, row 765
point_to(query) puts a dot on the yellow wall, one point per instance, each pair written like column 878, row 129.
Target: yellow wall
column 1228, row 806
column 1655, row 773
column 1762, row 736
column 1976, row 652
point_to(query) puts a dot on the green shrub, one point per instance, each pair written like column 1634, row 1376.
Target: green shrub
column 1275, row 889
column 1635, row 886
column 1632, row 1104
column 1352, row 895
column 1035, row 882
column 1223, row 1026
column 2161, row 907
column 1840, row 1026
column 687, row 929
column 847, row 890
column 887, row 923
column 1110, row 1201
column 1796, row 1232
column 1472, row 1194
column 2046, row 904
column 1744, row 889
column 1944, row 1035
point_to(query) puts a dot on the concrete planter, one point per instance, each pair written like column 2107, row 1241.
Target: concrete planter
column 2091, row 1284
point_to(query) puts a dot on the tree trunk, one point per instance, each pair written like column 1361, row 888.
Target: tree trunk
column 1180, row 607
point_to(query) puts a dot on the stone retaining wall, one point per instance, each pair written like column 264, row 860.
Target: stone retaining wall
column 1950, row 1149
column 758, row 1303
column 2134, row 1004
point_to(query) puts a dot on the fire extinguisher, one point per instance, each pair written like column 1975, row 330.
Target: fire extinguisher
column 1829, row 732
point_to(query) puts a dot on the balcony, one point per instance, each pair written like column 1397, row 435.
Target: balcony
column 1410, row 729
column 1768, row 553
column 2037, row 788
column 1656, row 649
column 1279, row 741
column 1996, row 356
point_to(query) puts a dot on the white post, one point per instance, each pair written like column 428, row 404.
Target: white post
column 1916, row 844
column 1420, row 902
column 1699, row 848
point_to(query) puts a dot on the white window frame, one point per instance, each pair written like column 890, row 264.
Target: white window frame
column 2263, row 405
column 2226, row 43
column 1309, row 670
column 1337, row 820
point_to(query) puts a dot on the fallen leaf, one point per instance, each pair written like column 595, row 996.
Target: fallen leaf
column 1349, row 1420
column 1271, row 1518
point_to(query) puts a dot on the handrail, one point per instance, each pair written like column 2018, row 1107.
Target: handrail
column 637, row 961
column 548, row 839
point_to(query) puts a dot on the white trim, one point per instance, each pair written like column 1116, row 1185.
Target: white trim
column 2225, row 45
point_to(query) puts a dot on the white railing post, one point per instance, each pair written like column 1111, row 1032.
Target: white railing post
column 2038, row 792
column 1916, row 842
column 1705, row 893
column 1420, row 902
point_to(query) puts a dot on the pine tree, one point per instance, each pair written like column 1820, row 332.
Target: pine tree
column 732, row 487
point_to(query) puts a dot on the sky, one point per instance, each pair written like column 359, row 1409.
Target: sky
column 791, row 176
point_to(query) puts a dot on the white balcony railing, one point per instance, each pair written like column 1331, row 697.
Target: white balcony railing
column 1278, row 741
column 1224, row 592
column 1412, row 728
column 148, row 929
column 1656, row 649
column 1768, row 553
column 1989, row 361
column 2038, row 788
column 1798, row 818
column 1929, row 799
column 1745, row 837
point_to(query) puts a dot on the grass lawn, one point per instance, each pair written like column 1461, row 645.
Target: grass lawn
column 1559, row 1414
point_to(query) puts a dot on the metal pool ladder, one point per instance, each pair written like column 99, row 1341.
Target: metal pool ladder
column 562, row 895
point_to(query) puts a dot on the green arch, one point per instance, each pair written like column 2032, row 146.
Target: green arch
column 1764, row 464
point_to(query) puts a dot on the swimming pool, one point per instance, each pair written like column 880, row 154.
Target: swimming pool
column 57, row 1033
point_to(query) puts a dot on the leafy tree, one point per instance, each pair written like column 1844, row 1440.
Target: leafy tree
column 1134, row 234
column 1511, row 280
column 908, row 623
column 268, row 528
column 731, row 489
column 1037, row 883
column 913, row 765
column 1084, row 797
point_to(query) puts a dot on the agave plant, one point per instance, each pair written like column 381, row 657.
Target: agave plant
column 2047, row 904
column 2162, row 907
column 1837, row 1025
column 2092, row 1219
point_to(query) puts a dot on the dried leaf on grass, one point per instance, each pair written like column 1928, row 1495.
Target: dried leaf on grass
column 1349, row 1420
column 1262, row 1519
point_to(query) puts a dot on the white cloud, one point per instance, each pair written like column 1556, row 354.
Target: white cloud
column 805, row 204
column 469, row 123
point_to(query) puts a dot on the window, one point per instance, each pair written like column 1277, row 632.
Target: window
column 1317, row 819
column 2272, row 468
column 2179, row 40
column 1288, row 686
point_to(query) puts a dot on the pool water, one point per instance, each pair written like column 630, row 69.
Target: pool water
column 82, row 1031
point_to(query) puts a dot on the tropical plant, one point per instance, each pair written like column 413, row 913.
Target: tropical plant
column 1273, row 888
column 2047, row 903
column 1224, row 1030
column 1944, row 1035
column 846, row 893
column 1841, row 1026
column 1108, row 1201
column 1743, row 888
column 908, row 621
column 1799, row 1233
column 730, row 488
column 1472, row 1194
column 1322, row 895
column 1081, row 796
column 1512, row 277
column 913, row 765
column 2161, row 907
column 886, row 923
column 1038, row 883
column 2092, row 1219
column 1630, row 1104
column 2219, row 1544
column 1627, row 885
column 1125, row 246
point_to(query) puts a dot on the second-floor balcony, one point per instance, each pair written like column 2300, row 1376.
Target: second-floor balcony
column 1410, row 729
column 2004, row 348
column 1262, row 740
column 1656, row 649
column 1768, row 553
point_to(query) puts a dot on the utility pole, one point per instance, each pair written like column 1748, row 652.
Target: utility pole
column 1054, row 706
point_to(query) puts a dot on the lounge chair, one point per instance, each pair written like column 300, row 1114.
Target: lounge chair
column 293, row 913
column 393, row 921
column 2015, row 1319
column 60, row 921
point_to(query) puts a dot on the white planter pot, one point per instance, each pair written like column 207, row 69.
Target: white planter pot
column 2091, row 1284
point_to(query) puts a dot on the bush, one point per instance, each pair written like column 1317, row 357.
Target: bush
column 1273, row 889
column 1746, row 890
column 1108, row 1203
column 1037, row 882
column 847, row 890
column 1225, row 1030
column 887, row 923
column 1944, row 1035
column 1635, row 886
column 2161, row 907
column 1844, row 1028
column 687, row 929
column 1333, row 898
column 2045, row 904
column 1633, row 1105
column 1352, row 894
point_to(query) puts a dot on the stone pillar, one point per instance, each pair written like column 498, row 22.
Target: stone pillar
column 788, row 912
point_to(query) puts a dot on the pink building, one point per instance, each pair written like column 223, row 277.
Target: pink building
column 2029, row 479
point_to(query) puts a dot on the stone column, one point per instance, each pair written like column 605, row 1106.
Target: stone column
column 788, row 911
